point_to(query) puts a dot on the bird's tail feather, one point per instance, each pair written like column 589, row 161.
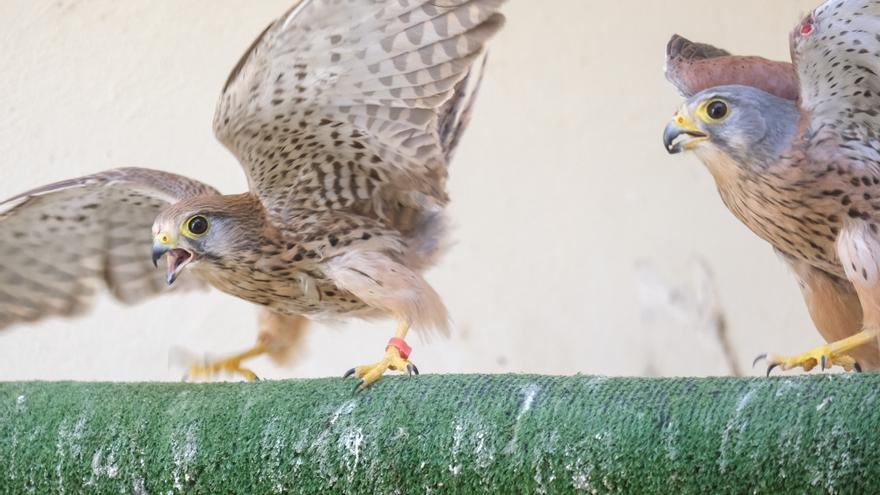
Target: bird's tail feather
column 456, row 113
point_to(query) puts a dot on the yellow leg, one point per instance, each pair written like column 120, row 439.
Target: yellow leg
column 392, row 359
column 825, row 356
column 231, row 365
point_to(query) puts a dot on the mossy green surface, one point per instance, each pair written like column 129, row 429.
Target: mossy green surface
column 445, row 434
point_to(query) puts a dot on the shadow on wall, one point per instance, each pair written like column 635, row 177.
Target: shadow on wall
column 683, row 311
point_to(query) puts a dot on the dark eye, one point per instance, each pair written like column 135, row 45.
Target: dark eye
column 198, row 225
column 716, row 110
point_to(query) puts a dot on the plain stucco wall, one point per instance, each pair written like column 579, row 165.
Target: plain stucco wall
column 579, row 241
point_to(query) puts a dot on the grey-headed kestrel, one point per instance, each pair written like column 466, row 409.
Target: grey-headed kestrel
column 794, row 152
column 344, row 115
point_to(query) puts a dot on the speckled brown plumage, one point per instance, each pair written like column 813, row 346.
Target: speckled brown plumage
column 798, row 161
column 344, row 115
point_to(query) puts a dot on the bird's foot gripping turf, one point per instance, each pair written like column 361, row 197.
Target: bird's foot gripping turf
column 396, row 358
column 231, row 365
column 826, row 356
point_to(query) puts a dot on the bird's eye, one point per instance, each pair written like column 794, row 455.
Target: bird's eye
column 717, row 110
column 196, row 226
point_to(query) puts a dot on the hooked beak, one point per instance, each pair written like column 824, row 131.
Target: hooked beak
column 681, row 126
column 176, row 258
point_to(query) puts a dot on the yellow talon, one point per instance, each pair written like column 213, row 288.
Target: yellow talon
column 231, row 365
column 370, row 373
column 825, row 356
column 821, row 356
column 395, row 358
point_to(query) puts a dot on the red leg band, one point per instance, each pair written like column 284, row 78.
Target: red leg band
column 402, row 347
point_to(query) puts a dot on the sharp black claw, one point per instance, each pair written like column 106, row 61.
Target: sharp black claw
column 412, row 369
column 357, row 388
column 770, row 368
column 823, row 361
column 857, row 367
column 256, row 378
column 759, row 358
column 348, row 373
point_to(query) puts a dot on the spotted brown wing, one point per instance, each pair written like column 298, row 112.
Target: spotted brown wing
column 835, row 50
column 61, row 243
column 354, row 104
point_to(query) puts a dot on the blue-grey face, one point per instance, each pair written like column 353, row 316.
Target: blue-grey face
column 750, row 126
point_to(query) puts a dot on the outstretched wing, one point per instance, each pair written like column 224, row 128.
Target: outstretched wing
column 355, row 104
column 693, row 67
column 62, row 242
column 835, row 50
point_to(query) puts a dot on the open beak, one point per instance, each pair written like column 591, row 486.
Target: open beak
column 681, row 127
column 176, row 258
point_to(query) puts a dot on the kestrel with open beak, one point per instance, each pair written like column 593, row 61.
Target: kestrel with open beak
column 344, row 116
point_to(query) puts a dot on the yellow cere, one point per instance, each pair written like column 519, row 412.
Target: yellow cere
column 684, row 122
column 164, row 238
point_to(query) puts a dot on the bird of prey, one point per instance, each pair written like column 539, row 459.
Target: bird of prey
column 344, row 115
column 794, row 152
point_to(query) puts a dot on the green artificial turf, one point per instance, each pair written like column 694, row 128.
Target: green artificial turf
column 445, row 434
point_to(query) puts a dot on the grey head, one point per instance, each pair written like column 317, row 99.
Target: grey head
column 751, row 127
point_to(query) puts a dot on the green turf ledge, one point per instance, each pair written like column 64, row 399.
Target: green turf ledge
column 445, row 434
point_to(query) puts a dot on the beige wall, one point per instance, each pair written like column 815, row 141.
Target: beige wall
column 580, row 243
